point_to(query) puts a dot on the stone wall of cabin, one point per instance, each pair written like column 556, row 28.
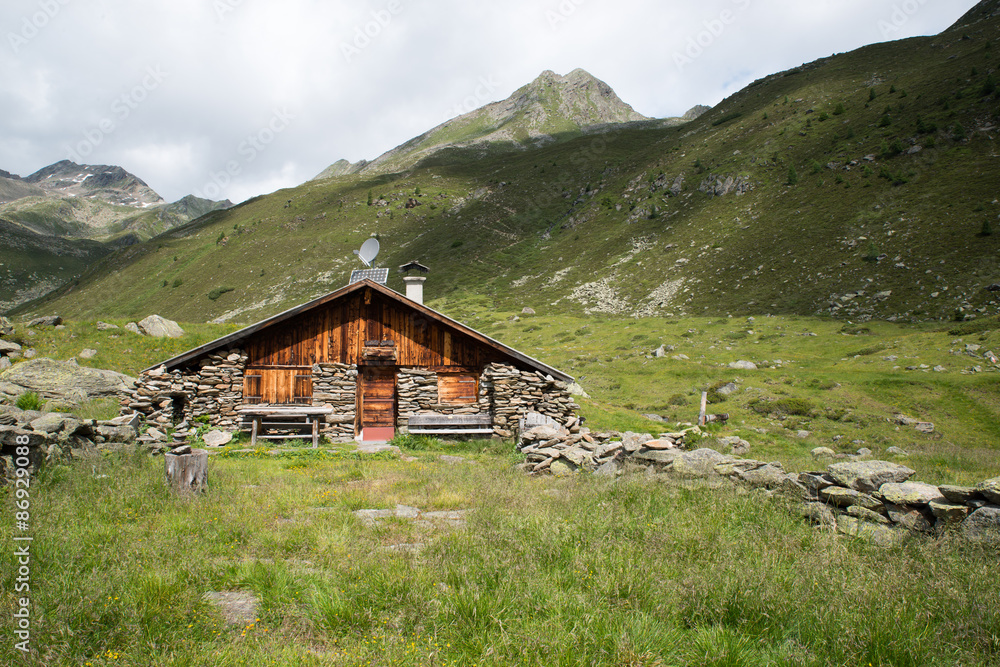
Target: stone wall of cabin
column 214, row 387
column 514, row 393
column 417, row 394
column 336, row 385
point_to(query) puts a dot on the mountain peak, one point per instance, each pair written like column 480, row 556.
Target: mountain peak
column 108, row 182
column 550, row 107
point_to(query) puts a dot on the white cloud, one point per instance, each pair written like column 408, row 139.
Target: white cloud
column 360, row 78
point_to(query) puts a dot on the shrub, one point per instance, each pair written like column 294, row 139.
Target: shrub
column 177, row 282
column 728, row 117
column 220, row 238
column 872, row 253
column 886, row 121
column 219, row 291
column 29, row 400
column 989, row 86
column 871, row 94
column 839, row 111
column 793, row 176
column 987, row 229
column 958, row 131
column 924, row 127
column 824, row 116
column 816, row 167
column 782, row 406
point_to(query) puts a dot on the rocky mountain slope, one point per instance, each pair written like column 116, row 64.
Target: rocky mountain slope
column 550, row 109
column 860, row 186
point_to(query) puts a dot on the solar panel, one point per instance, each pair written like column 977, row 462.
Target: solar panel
column 379, row 276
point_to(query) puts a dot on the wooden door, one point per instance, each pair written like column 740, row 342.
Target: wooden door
column 378, row 402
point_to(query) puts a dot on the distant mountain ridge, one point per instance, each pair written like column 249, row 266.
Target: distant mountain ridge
column 59, row 219
column 549, row 109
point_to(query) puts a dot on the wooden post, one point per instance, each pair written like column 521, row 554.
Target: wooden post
column 704, row 406
column 187, row 473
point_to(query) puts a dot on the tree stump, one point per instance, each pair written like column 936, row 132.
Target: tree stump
column 187, row 473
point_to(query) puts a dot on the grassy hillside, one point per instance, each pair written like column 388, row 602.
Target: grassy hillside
column 867, row 184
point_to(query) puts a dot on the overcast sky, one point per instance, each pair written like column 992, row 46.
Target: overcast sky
column 234, row 98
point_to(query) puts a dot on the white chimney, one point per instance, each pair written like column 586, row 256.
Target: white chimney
column 415, row 288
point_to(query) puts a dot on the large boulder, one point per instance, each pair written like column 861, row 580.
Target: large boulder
column 47, row 321
column 6, row 326
column 7, row 346
column 160, row 327
column 868, row 476
column 59, row 380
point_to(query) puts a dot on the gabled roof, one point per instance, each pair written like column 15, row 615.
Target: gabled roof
column 237, row 336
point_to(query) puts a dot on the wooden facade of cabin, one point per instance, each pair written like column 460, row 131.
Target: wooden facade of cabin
column 370, row 355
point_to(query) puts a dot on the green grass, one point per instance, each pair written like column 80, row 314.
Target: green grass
column 546, row 571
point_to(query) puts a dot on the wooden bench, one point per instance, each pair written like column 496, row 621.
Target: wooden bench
column 450, row 424
column 305, row 419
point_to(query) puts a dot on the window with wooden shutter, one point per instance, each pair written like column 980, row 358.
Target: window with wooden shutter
column 458, row 388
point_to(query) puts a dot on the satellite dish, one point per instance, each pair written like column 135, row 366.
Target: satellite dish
column 368, row 252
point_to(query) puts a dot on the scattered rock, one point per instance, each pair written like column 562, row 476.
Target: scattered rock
column 527, row 311
column 237, row 607
column 823, row 452
column 104, row 326
column 896, row 451
column 47, row 321
column 743, row 365
column 87, row 354
column 576, row 390
column 217, row 438
column 7, row 346
column 924, row 427
column 737, row 445
column 6, row 326
column 160, row 327
column 133, row 327
column 802, row 434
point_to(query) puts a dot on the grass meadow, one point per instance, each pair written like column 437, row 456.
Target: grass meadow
column 545, row 571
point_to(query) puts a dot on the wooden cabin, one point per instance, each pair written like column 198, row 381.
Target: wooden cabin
column 370, row 358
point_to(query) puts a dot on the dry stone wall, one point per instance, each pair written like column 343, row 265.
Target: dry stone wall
column 875, row 500
column 514, row 393
column 417, row 394
column 335, row 385
column 213, row 388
